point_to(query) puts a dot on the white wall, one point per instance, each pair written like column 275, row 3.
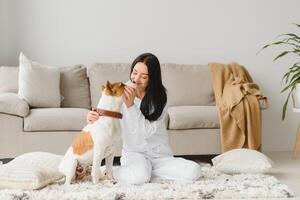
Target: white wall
column 180, row 31
column 8, row 32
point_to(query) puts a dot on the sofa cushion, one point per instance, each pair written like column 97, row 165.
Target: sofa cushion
column 30, row 171
column 99, row 73
column 38, row 84
column 188, row 84
column 55, row 119
column 74, row 84
column 243, row 161
column 9, row 79
column 74, row 87
column 192, row 117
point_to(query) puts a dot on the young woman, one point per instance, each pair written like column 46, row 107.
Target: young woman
column 146, row 151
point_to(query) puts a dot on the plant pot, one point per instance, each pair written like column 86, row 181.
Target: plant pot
column 297, row 96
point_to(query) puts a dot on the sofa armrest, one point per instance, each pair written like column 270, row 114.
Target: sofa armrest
column 11, row 104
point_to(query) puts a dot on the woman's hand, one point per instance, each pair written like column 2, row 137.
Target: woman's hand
column 129, row 95
column 92, row 116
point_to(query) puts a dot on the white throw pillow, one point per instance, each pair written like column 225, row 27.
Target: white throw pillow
column 38, row 84
column 242, row 161
column 30, row 171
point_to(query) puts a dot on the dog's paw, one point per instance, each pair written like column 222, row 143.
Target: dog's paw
column 107, row 176
column 95, row 180
column 95, row 177
column 103, row 175
column 110, row 176
column 68, row 181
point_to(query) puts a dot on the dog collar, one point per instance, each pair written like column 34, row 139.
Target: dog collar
column 108, row 113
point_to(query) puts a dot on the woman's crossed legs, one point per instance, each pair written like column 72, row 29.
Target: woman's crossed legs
column 137, row 168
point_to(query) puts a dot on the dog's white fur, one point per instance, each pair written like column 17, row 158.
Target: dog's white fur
column 106, row 134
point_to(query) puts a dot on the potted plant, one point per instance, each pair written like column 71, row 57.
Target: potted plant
column 291, row 78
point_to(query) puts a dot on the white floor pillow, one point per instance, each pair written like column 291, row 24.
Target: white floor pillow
column 242, row 161
column 30, row 171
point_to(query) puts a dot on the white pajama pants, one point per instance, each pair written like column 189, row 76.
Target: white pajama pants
column 138, row 168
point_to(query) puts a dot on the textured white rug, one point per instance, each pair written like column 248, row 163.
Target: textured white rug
column 212, row 185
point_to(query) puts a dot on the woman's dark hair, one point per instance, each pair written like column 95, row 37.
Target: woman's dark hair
column 155, row 98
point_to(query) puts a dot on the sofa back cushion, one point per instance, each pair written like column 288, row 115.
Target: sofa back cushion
column 99, row 73
column 74, row 87
column 74, row 84
column 188, row 84
column 9, row 79
column 38, row 83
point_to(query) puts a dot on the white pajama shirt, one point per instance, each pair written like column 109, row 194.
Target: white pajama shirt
column 146, row 151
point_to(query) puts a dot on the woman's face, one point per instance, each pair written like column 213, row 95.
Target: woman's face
column 139, row 75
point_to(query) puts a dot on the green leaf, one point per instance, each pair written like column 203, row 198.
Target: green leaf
column 271, row 44
column 266, row 46
column 288, row 73
column 285, row 77
column 296, row 64
column 292, row 84
column 284, row 107
column 290, row 35
column 296, row 76
column 276, row 43
column 286, row 87
column 292, row 39
column 286, row 102
column 281, row 54
column 294, row 69
column 291, row 43
column 297, row 25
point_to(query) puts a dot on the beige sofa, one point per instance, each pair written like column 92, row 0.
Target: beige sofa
column 192, row 118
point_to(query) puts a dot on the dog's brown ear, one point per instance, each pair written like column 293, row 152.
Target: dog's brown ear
column 103, row 87
column 108, row 85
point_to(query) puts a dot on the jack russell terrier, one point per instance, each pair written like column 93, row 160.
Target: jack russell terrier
column 98, row 140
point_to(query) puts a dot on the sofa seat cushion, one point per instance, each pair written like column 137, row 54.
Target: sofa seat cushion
column 193, row 117
column 55, row 119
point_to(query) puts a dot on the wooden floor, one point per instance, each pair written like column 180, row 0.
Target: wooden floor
column 286, row 169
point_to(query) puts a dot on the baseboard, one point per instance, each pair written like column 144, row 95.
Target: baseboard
column 5, row 160
column 201, row 158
